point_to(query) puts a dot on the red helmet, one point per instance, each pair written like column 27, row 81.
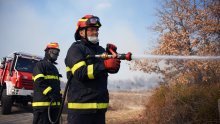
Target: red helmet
column 52, row 45
column 87, row 21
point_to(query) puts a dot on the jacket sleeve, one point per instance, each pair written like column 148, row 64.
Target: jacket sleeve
column 39, row 79
column 76, row 65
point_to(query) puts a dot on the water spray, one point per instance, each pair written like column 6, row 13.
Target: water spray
column 130, row 57
column 175, row 57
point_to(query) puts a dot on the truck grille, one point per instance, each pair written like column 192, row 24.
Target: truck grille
column 27, row 84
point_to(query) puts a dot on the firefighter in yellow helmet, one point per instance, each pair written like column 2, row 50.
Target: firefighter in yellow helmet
column 88, row 95
column 46, row 86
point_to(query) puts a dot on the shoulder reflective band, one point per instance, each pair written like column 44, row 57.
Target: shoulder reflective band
column 90, row 71
column 45, row 104
column 45, row 77
column 38, row 76
column 48, row 89
column 77, row 66
column 87, row 105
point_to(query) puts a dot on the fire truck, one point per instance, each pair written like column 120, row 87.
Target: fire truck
column 16, row 84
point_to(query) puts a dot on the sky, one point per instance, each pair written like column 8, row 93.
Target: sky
column 28, row 25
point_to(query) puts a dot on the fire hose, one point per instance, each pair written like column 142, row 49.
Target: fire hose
column 62, row 103
column 127, row 57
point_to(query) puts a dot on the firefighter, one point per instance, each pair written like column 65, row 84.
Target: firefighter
column 88, row 95
column 46, row 86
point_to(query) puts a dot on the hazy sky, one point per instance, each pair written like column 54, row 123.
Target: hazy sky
column 28, row 25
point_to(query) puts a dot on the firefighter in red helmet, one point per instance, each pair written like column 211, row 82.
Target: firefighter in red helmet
column 46, row 86
column 88, row 95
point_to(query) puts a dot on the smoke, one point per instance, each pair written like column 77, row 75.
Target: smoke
column 137, row 83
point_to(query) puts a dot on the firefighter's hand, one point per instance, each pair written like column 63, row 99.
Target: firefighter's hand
column 112, row 64
column 112, row 47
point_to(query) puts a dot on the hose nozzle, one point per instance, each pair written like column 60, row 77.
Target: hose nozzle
column 125, row 56
column 119, row 56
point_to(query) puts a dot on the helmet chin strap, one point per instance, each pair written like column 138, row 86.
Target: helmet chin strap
column 86, row 35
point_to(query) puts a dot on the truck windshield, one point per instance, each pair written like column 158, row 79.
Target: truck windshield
column 25, row 65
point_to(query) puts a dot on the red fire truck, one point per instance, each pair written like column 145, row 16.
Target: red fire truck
column 16, row 84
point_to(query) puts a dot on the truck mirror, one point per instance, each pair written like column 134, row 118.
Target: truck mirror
column 1, row 66
column 12, row 64
column 3, row 60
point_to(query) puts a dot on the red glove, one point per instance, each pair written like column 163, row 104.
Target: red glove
column 112, row 64
column 111, row 46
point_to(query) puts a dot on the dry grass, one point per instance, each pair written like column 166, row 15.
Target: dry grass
column 126, row 107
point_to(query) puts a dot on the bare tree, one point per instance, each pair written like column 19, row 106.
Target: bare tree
column 186, row 27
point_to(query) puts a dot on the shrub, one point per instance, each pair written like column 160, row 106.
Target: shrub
column 183, row 103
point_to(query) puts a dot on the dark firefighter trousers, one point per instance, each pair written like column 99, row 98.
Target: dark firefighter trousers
column 93, row 118
column 41, row 115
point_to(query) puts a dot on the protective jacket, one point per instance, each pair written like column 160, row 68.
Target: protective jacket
column 46, row 81
column 88, row 88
